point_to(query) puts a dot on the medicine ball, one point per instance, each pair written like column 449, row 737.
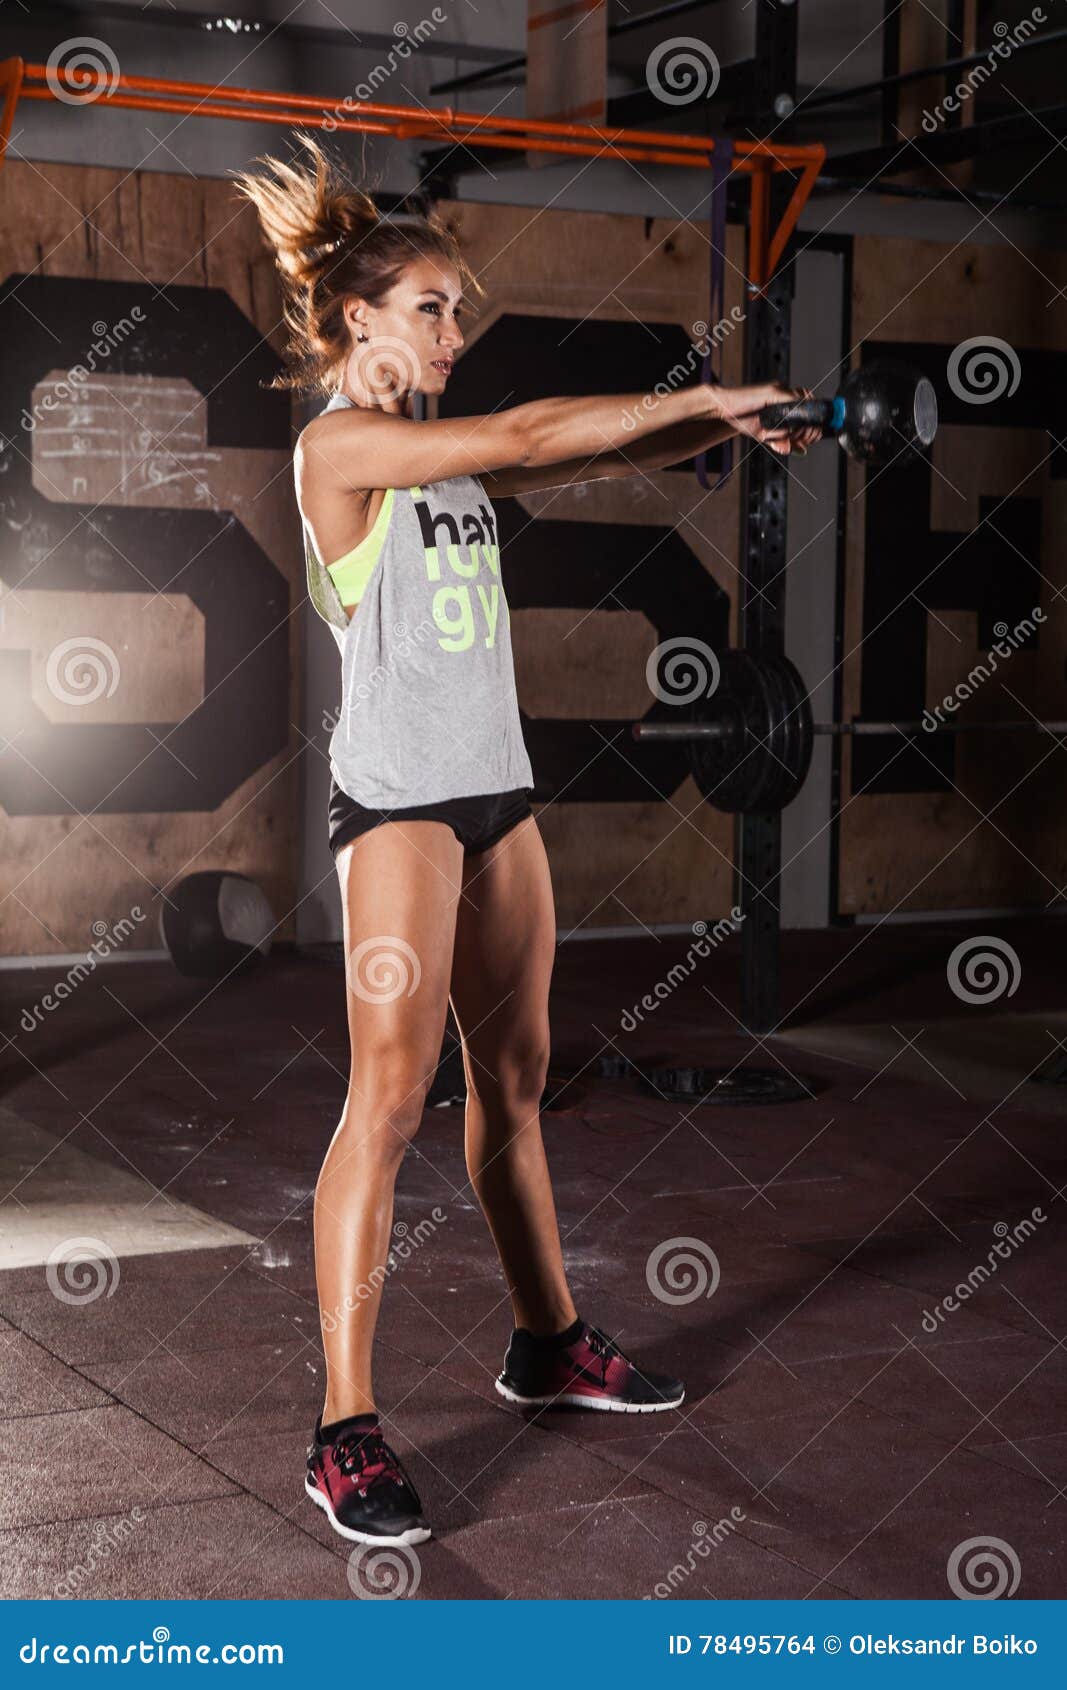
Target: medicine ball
column 213, row 923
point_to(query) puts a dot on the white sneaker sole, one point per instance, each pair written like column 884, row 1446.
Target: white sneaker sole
column 604, row 1404
column 402, row 1540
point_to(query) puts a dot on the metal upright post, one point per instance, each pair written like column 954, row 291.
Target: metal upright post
column 763, row 537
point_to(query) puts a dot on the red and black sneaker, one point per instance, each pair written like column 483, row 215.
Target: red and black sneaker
column 361, row 1486
column 585, row 1369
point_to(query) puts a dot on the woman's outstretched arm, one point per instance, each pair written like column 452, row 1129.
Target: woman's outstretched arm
column 671, row 444
column 359, row 447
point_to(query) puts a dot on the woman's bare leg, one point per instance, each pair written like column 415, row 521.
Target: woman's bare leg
column 505, row 946
column 400, row 887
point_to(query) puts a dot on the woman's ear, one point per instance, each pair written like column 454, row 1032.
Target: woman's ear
column 355, row 314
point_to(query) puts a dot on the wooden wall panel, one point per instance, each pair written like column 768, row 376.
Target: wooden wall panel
column 976, row 546
column 160, row 480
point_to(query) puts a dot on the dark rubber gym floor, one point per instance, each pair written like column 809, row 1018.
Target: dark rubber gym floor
column 153, row 1433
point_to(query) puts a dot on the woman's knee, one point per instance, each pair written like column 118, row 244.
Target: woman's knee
column 515, row 1072
column 387, row 1106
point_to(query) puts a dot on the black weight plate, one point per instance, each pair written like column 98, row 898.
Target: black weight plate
column 724, row 1085
column 760, row 762
column 718, row 765
column 776, row 781
column 792, row 744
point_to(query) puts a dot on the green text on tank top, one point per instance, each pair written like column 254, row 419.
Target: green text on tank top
column 429, row 709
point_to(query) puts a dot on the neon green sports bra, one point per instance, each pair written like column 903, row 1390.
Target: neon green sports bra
column 351, row 573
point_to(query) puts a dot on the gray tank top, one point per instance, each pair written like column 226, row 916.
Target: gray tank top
column 428, row 703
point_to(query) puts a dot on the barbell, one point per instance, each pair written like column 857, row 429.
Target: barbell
column 750, row 742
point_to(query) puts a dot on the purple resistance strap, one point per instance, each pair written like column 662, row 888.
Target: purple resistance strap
column 722, row 158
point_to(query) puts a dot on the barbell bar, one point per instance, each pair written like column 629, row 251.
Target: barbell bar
column 751, row 739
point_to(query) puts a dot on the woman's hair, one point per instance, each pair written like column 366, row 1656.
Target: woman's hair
column 329, row 240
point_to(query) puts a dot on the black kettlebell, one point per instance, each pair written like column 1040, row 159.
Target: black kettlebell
column 882, row 409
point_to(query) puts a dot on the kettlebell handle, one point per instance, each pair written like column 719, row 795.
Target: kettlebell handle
column 827, row 414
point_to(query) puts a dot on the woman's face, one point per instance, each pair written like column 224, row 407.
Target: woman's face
column 412, row 339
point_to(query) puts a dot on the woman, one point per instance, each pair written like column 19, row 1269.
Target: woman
column 444, row 879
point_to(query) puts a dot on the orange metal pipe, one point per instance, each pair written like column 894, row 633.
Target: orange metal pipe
column 759, row 159
column 788, row 220
column 420, row 129
column 146, row 102
column 11, row 85
column 448, row 117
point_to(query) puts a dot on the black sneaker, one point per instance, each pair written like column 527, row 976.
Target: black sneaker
column 362, row 1488
column 589, row 1372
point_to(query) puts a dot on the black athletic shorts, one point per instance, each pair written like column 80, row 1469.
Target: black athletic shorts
column 477, row 822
